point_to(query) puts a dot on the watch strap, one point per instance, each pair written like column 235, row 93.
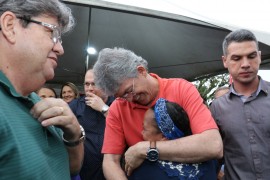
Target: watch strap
column 153, row 144
column 105, row 108
column 75, row 143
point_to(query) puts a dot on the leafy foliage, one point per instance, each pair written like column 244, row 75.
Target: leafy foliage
column 207, row 86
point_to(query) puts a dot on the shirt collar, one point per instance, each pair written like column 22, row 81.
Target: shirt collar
column 9, row 88
column 262, row 87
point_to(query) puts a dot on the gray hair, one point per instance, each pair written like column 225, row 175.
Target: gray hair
column 34, row 8
column 114, row 66
column 239, row 35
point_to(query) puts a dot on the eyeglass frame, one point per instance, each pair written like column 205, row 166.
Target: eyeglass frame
column 92, row 84
column 56, row 31
column 132, row 93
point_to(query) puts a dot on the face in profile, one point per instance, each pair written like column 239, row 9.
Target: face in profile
column 68, row 94
column 138, row 89
column 151, row 132
column 46, row 93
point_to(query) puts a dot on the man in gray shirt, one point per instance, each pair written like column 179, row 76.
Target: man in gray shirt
column 243, row 114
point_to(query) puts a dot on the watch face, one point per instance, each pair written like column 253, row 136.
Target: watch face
column 152, row 155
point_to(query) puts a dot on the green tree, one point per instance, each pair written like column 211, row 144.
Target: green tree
column 207, row 86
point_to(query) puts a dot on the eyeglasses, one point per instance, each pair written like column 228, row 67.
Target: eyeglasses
column 130, row 94
column 89, row 84
column 56, row 32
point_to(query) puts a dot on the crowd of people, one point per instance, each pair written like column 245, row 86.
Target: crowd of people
column 128, row 123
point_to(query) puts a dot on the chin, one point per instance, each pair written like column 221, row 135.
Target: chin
column 140, row 102
column 247, row 80
column 145, row 102
column 49, row 76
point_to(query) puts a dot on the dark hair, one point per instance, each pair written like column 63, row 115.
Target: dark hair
column 240, row 35
column 179, row 117
column 47, row 87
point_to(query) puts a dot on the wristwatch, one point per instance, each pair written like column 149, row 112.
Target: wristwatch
column 152, row 154
column 75, row 143
column 104, row 109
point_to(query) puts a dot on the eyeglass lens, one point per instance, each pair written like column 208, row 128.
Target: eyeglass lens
column 89, row 84
column 56, row 36
column 129, row 94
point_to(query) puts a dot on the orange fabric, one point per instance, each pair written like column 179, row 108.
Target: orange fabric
column 124, row 121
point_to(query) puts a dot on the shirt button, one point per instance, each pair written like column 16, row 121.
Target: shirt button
column 248, row 120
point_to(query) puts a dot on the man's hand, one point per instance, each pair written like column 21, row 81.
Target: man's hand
column 52, row 111
column 94, row 101
column 134, row 156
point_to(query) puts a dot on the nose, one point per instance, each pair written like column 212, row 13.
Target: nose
column 130, row 97
column 58, row 49
column 89, row 88
column 245, row 63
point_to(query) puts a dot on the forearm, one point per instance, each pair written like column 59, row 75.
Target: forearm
column 75, row 149
column 112, row 169
column 76, row 155
column 194, row 148
column 190, row 149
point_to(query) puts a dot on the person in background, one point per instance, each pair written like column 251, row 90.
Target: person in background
column 221, row 91
column 121, row 73
column 40, row 139
column 243, row 114
column 166, row 121
column 46, row 92
column 69, row 91
column 91, row 111
column 218, row 93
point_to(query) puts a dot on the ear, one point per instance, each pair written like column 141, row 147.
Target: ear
column 260, row 56
column 224, row 61
column 8, row 22
column 141, row 70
